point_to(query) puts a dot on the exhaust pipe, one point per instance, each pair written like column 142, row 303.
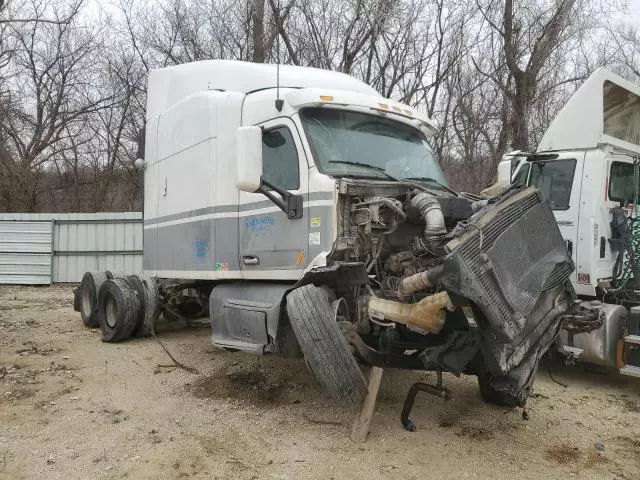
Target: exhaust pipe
column 420, row 281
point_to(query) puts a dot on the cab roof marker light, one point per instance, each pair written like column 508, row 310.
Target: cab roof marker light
column 326, row 98
column 384, row 105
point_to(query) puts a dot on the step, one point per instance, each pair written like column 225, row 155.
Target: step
column 630, row 370
column 632, row 339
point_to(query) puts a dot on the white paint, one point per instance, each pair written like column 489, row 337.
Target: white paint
column 319, row 261
column 589, row 120
column 249, row 158
column 504, row 171
column 280, row 274
column 365, row 103
column 167, row 86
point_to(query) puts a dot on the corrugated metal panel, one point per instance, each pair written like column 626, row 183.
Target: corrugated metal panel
column 99, row 243
column 81, row 242
column 70, row 268
column 25, row 252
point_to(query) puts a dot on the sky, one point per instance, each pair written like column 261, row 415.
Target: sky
column 635, row 10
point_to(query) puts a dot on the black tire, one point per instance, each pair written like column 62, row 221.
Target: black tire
column 149, row 304
column 509, row 395
column 77, row 299
column 115, row 274
column 89, row 289
column 489, row 394
column 118, row 307
column 323, row 344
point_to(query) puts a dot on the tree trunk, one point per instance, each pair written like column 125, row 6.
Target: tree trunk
column 258, row 31
column 520, row 115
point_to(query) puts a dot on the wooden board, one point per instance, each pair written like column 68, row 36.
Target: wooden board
column 363, row 418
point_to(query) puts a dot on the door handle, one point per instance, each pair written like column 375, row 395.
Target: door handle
column 569, row 245
column 250, row 260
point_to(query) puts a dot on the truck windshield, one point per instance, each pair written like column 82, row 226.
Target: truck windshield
column 348, row 143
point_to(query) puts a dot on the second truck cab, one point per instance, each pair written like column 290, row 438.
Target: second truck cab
column 586, row 166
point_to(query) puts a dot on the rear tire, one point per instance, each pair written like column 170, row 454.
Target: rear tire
column 118, row 307
column 89, row 289
column 325, row 349
column 115, row 274
column 77, row 299
column 149, row 304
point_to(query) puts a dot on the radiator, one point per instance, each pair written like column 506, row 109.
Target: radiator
column 504, row 259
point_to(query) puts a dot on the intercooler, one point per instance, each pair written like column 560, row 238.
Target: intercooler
column 506, row 259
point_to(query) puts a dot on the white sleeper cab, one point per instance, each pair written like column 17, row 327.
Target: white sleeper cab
column 306, row 215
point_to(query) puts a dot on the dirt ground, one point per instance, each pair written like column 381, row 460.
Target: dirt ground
column 74, row 407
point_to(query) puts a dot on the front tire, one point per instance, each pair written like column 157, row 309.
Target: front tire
column 323, row 344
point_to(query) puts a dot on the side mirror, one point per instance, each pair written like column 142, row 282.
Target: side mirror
column 248, row 158
column 504, row 172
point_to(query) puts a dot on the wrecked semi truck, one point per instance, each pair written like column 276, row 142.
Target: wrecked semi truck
column 306, row 215
column 588, row 167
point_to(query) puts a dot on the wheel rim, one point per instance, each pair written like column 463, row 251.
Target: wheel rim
column 340, row 310
column 111, row 312
column 87, row 301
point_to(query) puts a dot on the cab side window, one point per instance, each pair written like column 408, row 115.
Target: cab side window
column 622, row 187
column 554, row 179
column 280, row 159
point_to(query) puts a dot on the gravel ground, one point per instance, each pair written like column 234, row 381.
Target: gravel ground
column 74, row 407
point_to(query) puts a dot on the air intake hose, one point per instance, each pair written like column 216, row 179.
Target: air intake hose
column 431, row 211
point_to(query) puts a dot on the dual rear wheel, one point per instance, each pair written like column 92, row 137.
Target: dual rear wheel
column 120, row 305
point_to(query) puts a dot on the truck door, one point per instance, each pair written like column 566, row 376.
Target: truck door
column 560, row 181
column 272, row 246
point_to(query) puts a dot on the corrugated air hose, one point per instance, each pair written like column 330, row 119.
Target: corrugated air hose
column 631, row 254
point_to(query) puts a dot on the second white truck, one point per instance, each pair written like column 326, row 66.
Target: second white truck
column 587, row 166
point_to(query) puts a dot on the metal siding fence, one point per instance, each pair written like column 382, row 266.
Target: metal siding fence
column 81, row 242
column 25, row 252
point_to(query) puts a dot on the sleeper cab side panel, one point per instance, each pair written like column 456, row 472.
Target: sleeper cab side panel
column 191, row 170
column 150, row 189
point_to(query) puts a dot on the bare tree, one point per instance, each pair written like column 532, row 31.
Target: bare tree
column 492, row 74
column 531, row 34
column 52, row 73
